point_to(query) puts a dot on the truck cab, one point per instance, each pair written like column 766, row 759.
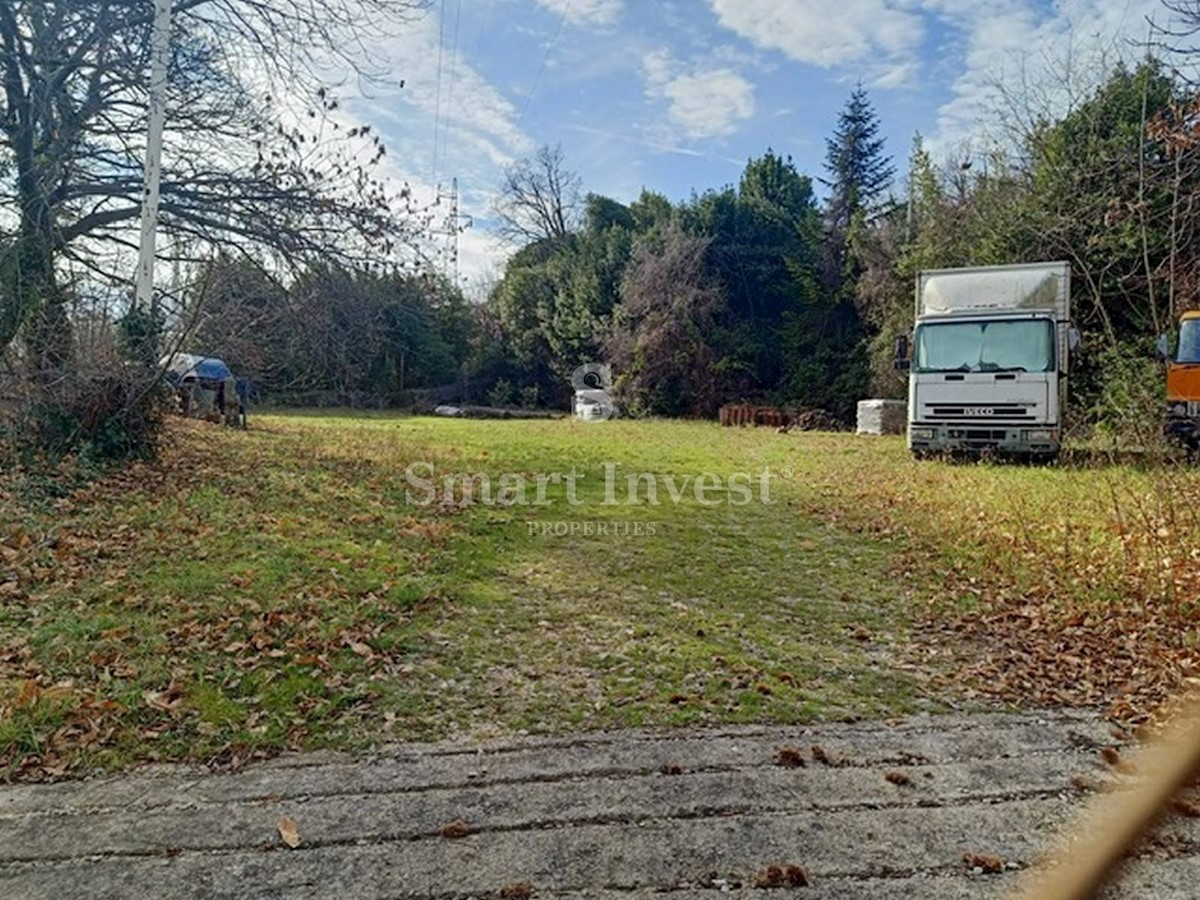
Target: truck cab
column 989, row 361
column 1183, row 384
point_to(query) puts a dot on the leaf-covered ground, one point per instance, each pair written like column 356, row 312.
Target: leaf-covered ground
column 274, row 589
column 1076, row 584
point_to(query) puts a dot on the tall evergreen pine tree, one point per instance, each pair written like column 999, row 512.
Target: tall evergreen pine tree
column 859, row 172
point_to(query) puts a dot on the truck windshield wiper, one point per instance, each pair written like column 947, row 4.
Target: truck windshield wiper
column 1009, row 369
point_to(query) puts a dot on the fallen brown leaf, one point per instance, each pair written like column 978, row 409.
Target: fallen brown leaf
column 1113, row 757
column 782, row 876
column 289, row 832
column 456, row 829
column 790, row 758
column 1187, row 807
column 986, row 862
column 820, row 755
column 1083, row 784
column 898, row 778
column 522, row 890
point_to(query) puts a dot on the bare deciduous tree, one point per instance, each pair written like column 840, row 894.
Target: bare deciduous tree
column 1179, row 33
column 254, row 156
column 539, row 198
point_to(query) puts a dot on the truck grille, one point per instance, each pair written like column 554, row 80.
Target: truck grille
column 978, row 437
column 1007, row 411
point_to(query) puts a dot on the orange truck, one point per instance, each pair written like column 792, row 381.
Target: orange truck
column 1183, row 383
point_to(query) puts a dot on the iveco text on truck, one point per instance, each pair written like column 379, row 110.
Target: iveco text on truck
column 990, row 354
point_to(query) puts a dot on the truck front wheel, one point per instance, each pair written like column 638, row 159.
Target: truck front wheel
column 1044, row 458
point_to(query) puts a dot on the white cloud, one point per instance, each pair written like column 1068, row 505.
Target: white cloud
column 1046, row 60
column 478, row 129
column 702, row 103
column 469, row 107
column 829, row 33
column 882, row 40
column 1050, row 55
column 481, row 262
column 587, row 12
column 659, row 66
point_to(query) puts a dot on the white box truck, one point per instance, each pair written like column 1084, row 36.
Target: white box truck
column 989, row 363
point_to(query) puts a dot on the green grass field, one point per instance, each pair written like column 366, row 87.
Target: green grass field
column 276, row 589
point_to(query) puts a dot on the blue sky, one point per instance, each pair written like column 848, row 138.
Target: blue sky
column 676, row 95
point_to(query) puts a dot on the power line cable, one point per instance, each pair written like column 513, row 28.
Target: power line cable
column 485, row 26
column 453, row 77
column 437, row 103
column 562, row 19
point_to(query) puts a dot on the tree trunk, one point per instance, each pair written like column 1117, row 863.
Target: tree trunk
column 32, row 300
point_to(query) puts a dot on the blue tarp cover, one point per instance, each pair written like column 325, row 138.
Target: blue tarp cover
column 187, row 365
column 213, row 369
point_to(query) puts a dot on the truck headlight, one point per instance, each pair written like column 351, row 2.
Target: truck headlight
column 1177, row 409
column 1040, row 436
column 921, row 434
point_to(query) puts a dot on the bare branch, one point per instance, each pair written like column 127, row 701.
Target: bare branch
column 249, row 160
column 539, row 198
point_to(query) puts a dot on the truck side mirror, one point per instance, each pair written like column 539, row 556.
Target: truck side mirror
column 1163, row 346
column 901, row 362
column 1074, row 339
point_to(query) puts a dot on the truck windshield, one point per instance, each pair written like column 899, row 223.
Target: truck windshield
column 1026, row 345
column 1189, row 342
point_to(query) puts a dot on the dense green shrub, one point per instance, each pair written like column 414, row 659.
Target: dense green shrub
column 1129, row 403
column 99, row 418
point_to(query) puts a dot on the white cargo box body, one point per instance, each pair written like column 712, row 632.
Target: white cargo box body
column 1034, row 287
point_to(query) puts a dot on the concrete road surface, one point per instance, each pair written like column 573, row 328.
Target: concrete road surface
column 613, row 815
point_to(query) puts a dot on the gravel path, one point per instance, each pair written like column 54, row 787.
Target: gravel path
column 617, row 815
